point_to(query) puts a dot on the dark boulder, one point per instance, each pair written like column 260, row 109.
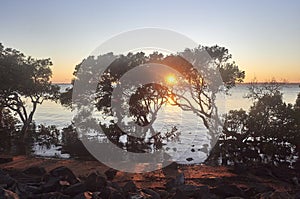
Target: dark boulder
column 226, row 190
column 130, row 187
column 64, row 173
column 36, row 171
column 180, row 180
column 138, row 196
column 198, row 192
column 174, row 182
column 163, row 193
column 115, row 186
column 171, row 170
column 110, row 173
column 96, row 195
column 112, row 193
column 51, row 195
column 295, row 181
column 274, row 195
column 95, row 182
column 5, row 160
column 75, row 189
column 86, row 195
column 24, row 189
column 5, row 179
column 180, row 195
column 297, row 195
column 50, row 184
column 117, row 195
column 263, row 172
column 277, row 194
column 152, row 193
column 239, row 168
column 258, row 188
column 7, row 194
column 170, row 184
column 24, row 178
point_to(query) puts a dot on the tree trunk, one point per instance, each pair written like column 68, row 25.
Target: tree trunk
column 25, row 145
column 27, row 123
column 24, row 130
column 213, row 156
column 1, row 118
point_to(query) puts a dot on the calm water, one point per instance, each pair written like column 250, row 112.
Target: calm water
column 50, row 113
column 193, row 133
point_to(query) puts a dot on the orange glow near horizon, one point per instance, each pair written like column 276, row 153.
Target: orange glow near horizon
column 62, row 73
column 63, row 78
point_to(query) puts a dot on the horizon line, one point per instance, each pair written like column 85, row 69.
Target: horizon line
column 261, row 82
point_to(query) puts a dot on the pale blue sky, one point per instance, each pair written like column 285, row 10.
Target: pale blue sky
column 262, row 35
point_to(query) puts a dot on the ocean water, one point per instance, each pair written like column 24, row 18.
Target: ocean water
column 193, row 139
column 51, row 113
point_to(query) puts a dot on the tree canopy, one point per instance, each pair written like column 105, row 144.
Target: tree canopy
column 24, row 78
column 269, row 133
column 146, row 100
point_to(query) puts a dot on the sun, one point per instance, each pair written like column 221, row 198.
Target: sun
column 170, row 79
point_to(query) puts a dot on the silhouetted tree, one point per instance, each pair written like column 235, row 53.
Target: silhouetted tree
column 296, row 139
column 201, row 72
column 24, row 79
column 146, row 100
column 267, row 134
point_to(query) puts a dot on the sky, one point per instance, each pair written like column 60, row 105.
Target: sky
column 262, row 35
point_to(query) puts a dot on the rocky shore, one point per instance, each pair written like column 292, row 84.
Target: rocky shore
column 39, row 178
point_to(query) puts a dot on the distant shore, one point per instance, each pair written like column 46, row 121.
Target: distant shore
column 242, row 83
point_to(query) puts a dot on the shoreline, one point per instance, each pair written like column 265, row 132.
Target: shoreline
column 198, row 175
